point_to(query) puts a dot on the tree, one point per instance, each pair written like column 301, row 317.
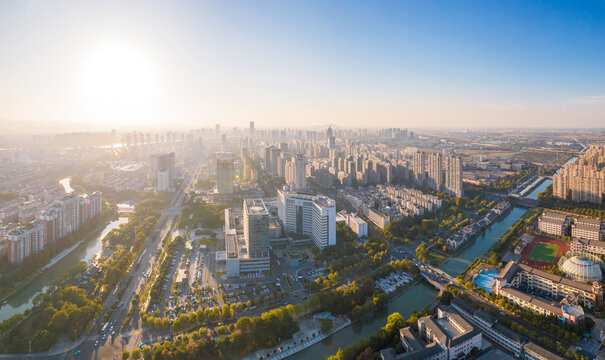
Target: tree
column 422, row 252
column 326, row 325
column 125, row 355
column 147, row 354
column 136, row 354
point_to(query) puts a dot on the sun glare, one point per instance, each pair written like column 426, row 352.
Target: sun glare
column 117, row 85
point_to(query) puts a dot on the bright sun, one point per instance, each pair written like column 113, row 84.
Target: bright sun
column 117, row 85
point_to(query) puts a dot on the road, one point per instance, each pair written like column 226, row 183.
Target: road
column 112, row 347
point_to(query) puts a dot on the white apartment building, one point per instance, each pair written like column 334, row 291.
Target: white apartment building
column 554, row 224
column 586, row 228
column 311, row 215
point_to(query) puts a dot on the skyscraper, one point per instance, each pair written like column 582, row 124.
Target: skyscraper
column 224, row 173
column 251, row 129
column 419, row 167
column 435, row 171
column 295, row 172
column 453, row 176
column 162, row 173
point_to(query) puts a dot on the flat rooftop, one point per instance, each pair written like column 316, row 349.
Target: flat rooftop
column 255, row 207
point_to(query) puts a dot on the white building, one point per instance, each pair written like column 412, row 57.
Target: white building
column 25, row 241
column 554, row 224
column 311, row 215
column 358, row 225
column 295, row 172
column 586, row 228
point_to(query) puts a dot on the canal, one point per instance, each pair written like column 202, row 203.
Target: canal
column 23, row 298
column 415, row 298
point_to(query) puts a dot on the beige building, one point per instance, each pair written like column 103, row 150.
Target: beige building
column 554, row 224
column 586, row 228
column 583, row 180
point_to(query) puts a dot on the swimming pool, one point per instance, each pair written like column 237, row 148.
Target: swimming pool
column 486, row 279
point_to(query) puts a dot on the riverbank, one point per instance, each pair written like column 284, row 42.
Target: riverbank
column 21, row 298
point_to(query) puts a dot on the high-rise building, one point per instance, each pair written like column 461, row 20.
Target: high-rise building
column 295, row 172
column 435, row 178
column 247, row 165
column 256, row 225
column 25, row 241
column 274, row 155
column 584, row 179
column 162, row 173
column 65, row 216
column 314, row 216
column 453, row 176
column 251, row 129
column 419, row 167
column 224, row 173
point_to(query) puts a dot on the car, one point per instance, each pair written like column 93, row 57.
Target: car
column 77, row 353
column 96, row 343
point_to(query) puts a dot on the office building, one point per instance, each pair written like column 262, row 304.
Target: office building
column 224, row 173
column 310, row 215
column 242, row 256
column 162, row 173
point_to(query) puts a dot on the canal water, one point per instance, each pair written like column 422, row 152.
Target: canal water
column 66, row 185
column 23, row 298
column 544, row 184
column 415, row 298
column 456, row 265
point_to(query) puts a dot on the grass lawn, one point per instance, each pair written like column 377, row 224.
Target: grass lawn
column 543, row 252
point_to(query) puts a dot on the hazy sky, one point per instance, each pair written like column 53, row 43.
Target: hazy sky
column 301, row 63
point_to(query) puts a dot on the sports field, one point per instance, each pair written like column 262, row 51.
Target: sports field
column 544, row 252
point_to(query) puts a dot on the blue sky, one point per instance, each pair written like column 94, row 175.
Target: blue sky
column 353, row 63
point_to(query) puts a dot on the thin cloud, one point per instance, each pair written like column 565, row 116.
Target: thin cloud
column 589, row 100
column 501, row 107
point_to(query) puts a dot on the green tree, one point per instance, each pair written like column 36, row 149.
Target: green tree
column 125, row 355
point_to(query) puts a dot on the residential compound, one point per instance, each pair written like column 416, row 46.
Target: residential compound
column 310, row 215
column 554, row 224
column 583, row 180
column 385, row 203
column 64, row 216
column 436, row 165
column 516, row 281
column 445, row 337
column 460, row 237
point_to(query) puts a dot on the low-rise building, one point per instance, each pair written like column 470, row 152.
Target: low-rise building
column 586, row 228
column 448, row 336
column 554, row 224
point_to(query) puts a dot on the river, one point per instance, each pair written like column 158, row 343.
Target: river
column 415, row 298
column 22, row 299
column 544, row 184
column 66, row 185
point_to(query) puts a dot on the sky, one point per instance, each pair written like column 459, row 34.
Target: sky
column 193, row 64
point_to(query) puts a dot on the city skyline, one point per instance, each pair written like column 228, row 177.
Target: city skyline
column 191, row 65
